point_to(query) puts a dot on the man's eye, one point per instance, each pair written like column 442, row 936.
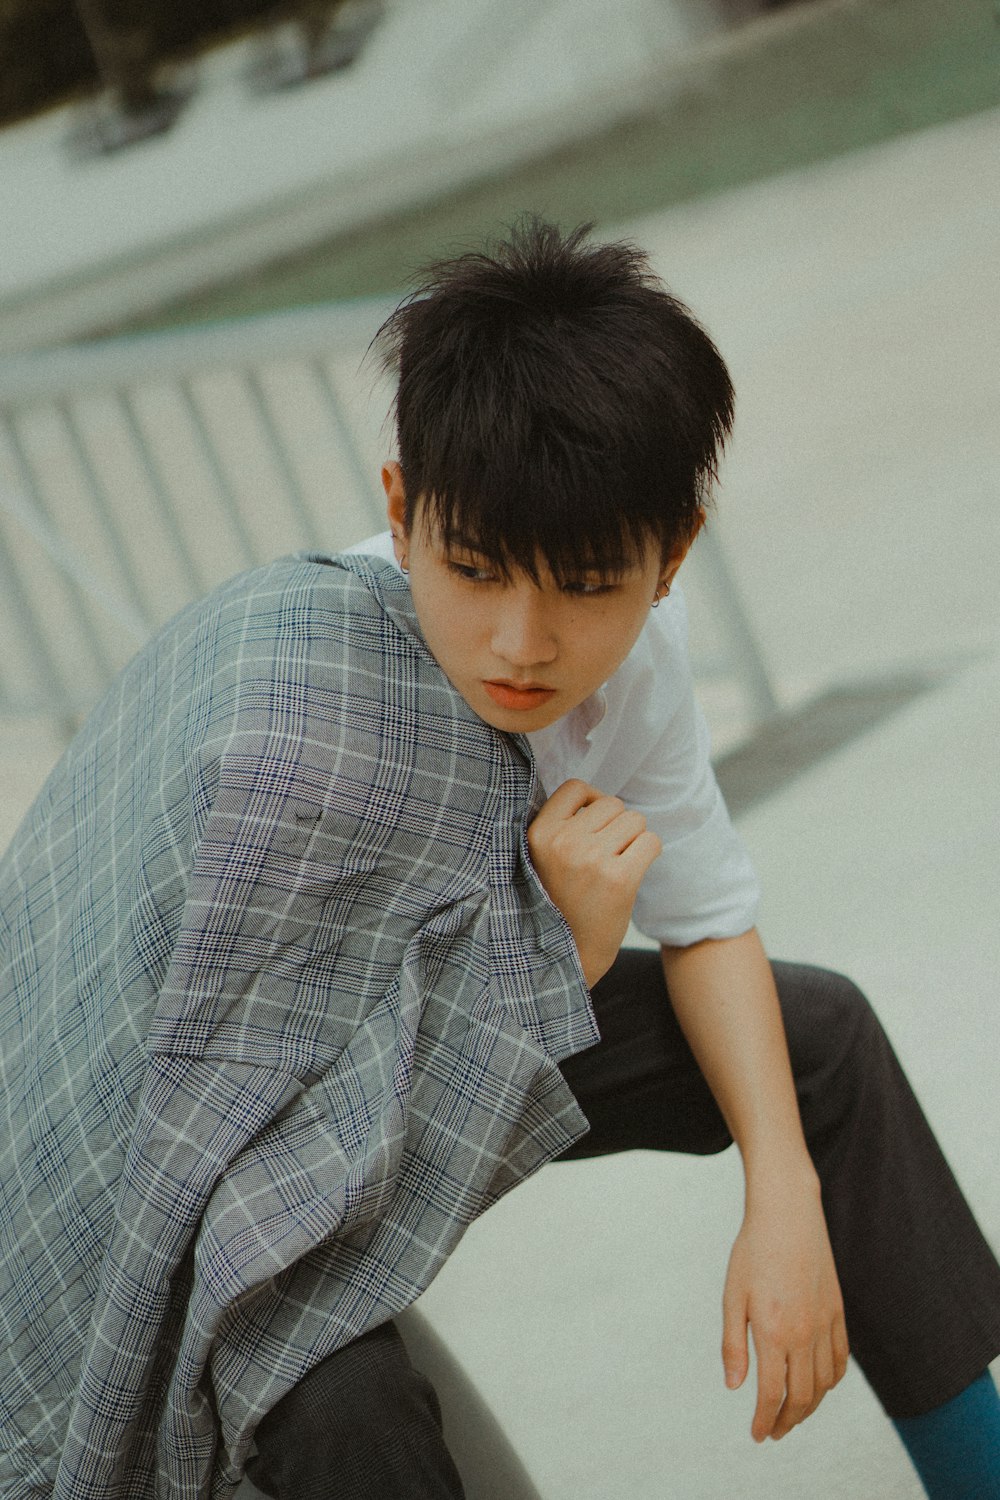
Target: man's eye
column 587, row 588
column 470, row 572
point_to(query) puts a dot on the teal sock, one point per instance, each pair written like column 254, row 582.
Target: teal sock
column 956, row 1447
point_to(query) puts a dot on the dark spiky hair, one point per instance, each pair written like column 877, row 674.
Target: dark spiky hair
column 554, row 399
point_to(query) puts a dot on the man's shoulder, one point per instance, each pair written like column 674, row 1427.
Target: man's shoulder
column 298, row 580
column 284, row 606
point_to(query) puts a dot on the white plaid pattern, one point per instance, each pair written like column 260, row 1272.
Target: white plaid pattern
column 280, row 1003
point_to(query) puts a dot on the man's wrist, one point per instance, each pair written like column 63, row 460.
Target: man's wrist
column 779, row 1170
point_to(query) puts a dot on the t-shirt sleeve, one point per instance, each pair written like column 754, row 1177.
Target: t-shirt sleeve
column 703, row 885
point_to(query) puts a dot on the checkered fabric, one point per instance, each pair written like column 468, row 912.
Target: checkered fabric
column 281, row 1000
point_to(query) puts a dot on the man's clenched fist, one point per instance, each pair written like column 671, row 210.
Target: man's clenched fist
column 591, row 853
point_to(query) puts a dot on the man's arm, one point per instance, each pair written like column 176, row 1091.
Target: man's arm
column 591, row 853
column 781, row 1281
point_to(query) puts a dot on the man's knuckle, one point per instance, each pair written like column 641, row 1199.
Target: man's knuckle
column 770, row 1328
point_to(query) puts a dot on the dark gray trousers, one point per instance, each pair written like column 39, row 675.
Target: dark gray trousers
column 921, row 1286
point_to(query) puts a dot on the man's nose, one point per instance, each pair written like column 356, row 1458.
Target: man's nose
column 524, row 633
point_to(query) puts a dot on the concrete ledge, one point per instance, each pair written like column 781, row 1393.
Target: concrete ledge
column 249, row 205
column 782, row 91
column 445, row 92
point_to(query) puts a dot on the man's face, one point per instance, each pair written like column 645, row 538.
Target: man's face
column 522, row 654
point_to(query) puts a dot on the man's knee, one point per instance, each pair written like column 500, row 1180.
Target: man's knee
column 365, row 1414
column 833, row 1033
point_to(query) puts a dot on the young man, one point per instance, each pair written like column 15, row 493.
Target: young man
column 311, row 950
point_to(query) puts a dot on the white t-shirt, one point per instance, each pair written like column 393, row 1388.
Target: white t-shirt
column 643, row 738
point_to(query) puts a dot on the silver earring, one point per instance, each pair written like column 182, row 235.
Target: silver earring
column 660, row 595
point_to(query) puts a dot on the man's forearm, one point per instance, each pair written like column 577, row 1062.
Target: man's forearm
column 724, row 997
column 781, row 1284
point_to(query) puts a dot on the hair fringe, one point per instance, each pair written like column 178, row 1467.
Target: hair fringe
column 554, row 399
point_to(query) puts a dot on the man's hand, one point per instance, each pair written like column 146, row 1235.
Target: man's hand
column 783, row 1285
column 590, row 854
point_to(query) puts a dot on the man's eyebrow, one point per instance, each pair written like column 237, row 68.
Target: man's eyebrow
column 469, row 543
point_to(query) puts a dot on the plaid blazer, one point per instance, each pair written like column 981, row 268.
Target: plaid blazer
column 280, row 1003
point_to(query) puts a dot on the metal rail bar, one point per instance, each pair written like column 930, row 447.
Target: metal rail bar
column 346, row 435
column 194, row 578
column 279, row 452
column 20, row 509
column 104, row 509
column 301, row 333
column 745, row 654
column 76, row 593
column 224, row 490
column 54, row 689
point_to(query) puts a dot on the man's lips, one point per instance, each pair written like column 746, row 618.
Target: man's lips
column 518, row 695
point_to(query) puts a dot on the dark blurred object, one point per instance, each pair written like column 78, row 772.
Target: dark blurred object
column 110, row 122
column 319, row 37
column 135, row 103
column 122, row 36
column 44, row 55
column 47, row 58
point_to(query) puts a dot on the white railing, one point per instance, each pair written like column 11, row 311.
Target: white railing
column 136, row 473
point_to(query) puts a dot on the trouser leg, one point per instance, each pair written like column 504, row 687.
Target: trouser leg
column 362, row 1425
column 921, row 1286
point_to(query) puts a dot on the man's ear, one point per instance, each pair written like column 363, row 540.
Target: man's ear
column 395, row 497
column 679, row 551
